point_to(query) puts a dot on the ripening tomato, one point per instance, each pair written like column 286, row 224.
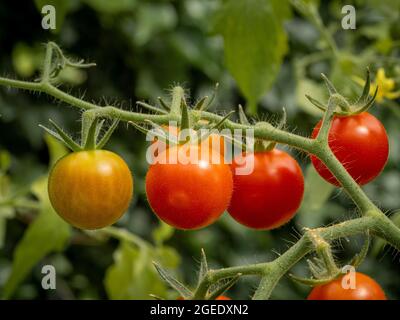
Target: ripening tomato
column 270, row 194
column 189, row 195
column 90, row 189
column 360, row 143
column 366, row 288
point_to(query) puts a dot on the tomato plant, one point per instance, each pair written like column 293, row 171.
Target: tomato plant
column 360, row 143
column 270, row 195
column 90, row 189
column 366, row 288
column 192, row 195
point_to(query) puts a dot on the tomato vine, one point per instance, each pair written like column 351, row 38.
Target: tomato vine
column 372, row 219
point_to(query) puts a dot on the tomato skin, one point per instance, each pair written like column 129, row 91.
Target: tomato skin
column 359, row 142
column 269, row 196
column 366, row 289
column 192, row 195
column 90, row 189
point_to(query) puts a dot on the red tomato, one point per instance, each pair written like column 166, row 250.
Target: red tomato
column 366, row 288
column 270, row 195
column 90, row 189
column 360, row 143
column 191, row 195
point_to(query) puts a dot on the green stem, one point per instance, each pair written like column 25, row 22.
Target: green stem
column 46, row 69
column 373, row 220
column 178, row 94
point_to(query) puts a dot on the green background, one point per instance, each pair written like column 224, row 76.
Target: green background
column 143, row 48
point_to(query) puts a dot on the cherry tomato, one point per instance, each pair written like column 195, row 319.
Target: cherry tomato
column 270, row 195
column 189, row 195
column 366, row 288
column 90, row 189
column 360, row 143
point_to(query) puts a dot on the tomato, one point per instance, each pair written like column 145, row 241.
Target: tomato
column 90, row 189
column 270, row 195
column 189, row 195
column 360, row 143
column 366, row 288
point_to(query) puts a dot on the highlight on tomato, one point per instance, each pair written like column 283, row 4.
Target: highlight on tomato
column 366, row 288
column 90, row 189
column 360, row 143
column 189, row 194
column 271, row 194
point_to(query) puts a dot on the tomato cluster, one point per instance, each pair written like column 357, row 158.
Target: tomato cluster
column 92, row 189
column 194, row 195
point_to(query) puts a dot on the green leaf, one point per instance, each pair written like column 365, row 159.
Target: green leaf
column 255, row 43
column 132, row 275
column 173, row 282
column 46, row 234
column 5, row 160
column 56, row 149
column 112, row 7
column 162, row 233
column 313, row 89
column 152, row 19
column 316, row 194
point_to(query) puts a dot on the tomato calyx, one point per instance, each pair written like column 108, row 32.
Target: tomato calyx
column 323, row 267
column 203, row 290
column 188, row 129
column 343, row 106
column 261, row 145
column 91, row 136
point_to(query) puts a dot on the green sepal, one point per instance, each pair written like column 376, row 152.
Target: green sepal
column 199, row 105
column 163, row 104
column 203, row 266
column 107, row 135
column 207, row 105
column 242, row 116
column 62, row 137
column 160, row 134
column 331, row 88
column 174, row 283
column 215, row 126
column 223, row 288
column 89, row 142
column 313, row 282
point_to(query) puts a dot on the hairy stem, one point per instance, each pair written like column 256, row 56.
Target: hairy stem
column 373, row 219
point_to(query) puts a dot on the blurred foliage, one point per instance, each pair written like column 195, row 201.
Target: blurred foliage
column 264, row 53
